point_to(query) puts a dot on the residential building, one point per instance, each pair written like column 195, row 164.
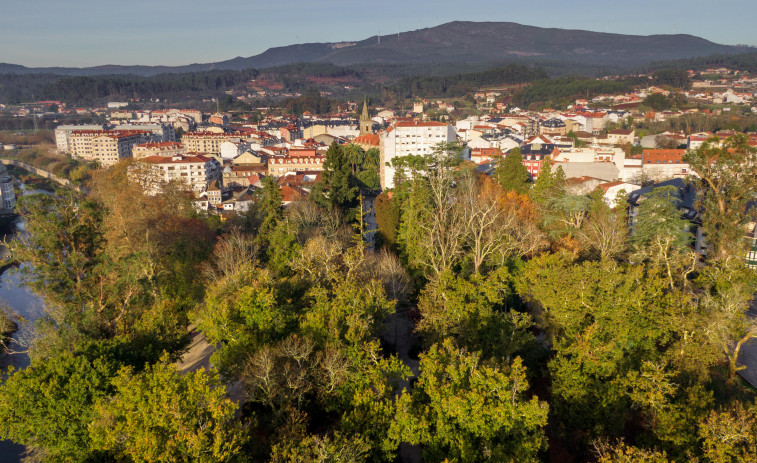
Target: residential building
column 240, row 199
column 63, row 134
column 554, row 127
column 611, row 190
column 197, row 171
column 7, row 192
column 662, row 164
column 104, row 146
column 166, row 148
column 159, row 132
column 243, row 175
column 280, row 165
column 621, row 137
column 410, row 138
column 207, row 142
column 482, row 155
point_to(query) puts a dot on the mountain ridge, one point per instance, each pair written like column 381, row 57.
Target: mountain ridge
column 457, row 42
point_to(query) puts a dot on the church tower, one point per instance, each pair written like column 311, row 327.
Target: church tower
column 366, row 124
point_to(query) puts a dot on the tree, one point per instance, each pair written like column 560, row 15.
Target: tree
column 161, row 415
column 467, row 409
column 64, row 242
column 605, row 232
column 351, row 312
column 485, row 221
column 49, row 405
column 338, row 176
column 726, row 182
column 368, row 172
column 242, row 312
column 622, row 453
column 658, row 217
column 268, row 202
column 730, row 435
column 432, row 224
column 727, row 288
column 512, row 175
column 471, row 312
column 657, row 101
column 604, row 319
column 549, row 185
column 661, row 234
column 387, row 218
column 322, row 449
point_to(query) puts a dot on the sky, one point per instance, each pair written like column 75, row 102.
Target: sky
column 77, row 33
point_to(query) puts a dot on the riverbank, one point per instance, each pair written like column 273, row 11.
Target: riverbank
column 31, row 181
column 7, row 328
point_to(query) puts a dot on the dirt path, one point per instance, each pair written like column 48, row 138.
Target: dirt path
column 398, row 331
column 197, row 357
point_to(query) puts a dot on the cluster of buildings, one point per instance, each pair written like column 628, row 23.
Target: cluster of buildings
column 223, row 162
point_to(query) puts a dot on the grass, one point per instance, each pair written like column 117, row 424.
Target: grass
column 45, row 156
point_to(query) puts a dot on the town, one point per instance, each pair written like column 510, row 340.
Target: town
column 606, row 142
column 470, row 242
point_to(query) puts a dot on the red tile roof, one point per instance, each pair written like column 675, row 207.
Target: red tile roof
column 661, row 156
column 367, row 139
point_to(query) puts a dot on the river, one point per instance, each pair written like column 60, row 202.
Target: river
column 27, row 305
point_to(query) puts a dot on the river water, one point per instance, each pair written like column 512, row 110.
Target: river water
column 28, row 307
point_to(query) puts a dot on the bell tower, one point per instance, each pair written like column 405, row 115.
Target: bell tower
column 366, row 124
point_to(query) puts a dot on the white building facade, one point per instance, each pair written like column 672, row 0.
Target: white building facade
column 410, row 138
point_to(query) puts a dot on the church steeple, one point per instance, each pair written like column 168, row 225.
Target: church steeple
column 366, row 124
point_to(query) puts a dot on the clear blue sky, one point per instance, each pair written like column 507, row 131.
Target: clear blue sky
column 173, row 32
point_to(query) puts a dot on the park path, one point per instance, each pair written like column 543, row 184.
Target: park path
column 197, row 357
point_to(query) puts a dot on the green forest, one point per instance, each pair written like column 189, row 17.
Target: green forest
column 497, row 319
column 462, row 84
column 742, row 62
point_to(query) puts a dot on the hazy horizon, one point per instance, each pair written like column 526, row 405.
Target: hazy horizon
column 85, row 33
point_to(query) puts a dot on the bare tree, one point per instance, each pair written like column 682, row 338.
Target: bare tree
column 232, row 252
column 440, row 225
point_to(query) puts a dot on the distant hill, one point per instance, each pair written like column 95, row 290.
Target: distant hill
column 458, row 42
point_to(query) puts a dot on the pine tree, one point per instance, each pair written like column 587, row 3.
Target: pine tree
column 512, row 174
column 549, row 185
column 338, row 179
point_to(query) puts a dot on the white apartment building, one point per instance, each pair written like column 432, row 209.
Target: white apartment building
column 207, row 142
column 410, row 138
column 166, row 148
column 160, row 132
column 195, row 170
column 103, row 146
column 63, row 134
column 664, row 164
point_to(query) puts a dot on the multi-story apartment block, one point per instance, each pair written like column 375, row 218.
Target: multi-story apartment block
column 662, row 164
column 7, row 193
column 196, row 171
column 207, row 142
column 63, row 134
column 410, row 138
column 158, row 132
column 166, row 148
column 103, row 146
column 278, row 166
